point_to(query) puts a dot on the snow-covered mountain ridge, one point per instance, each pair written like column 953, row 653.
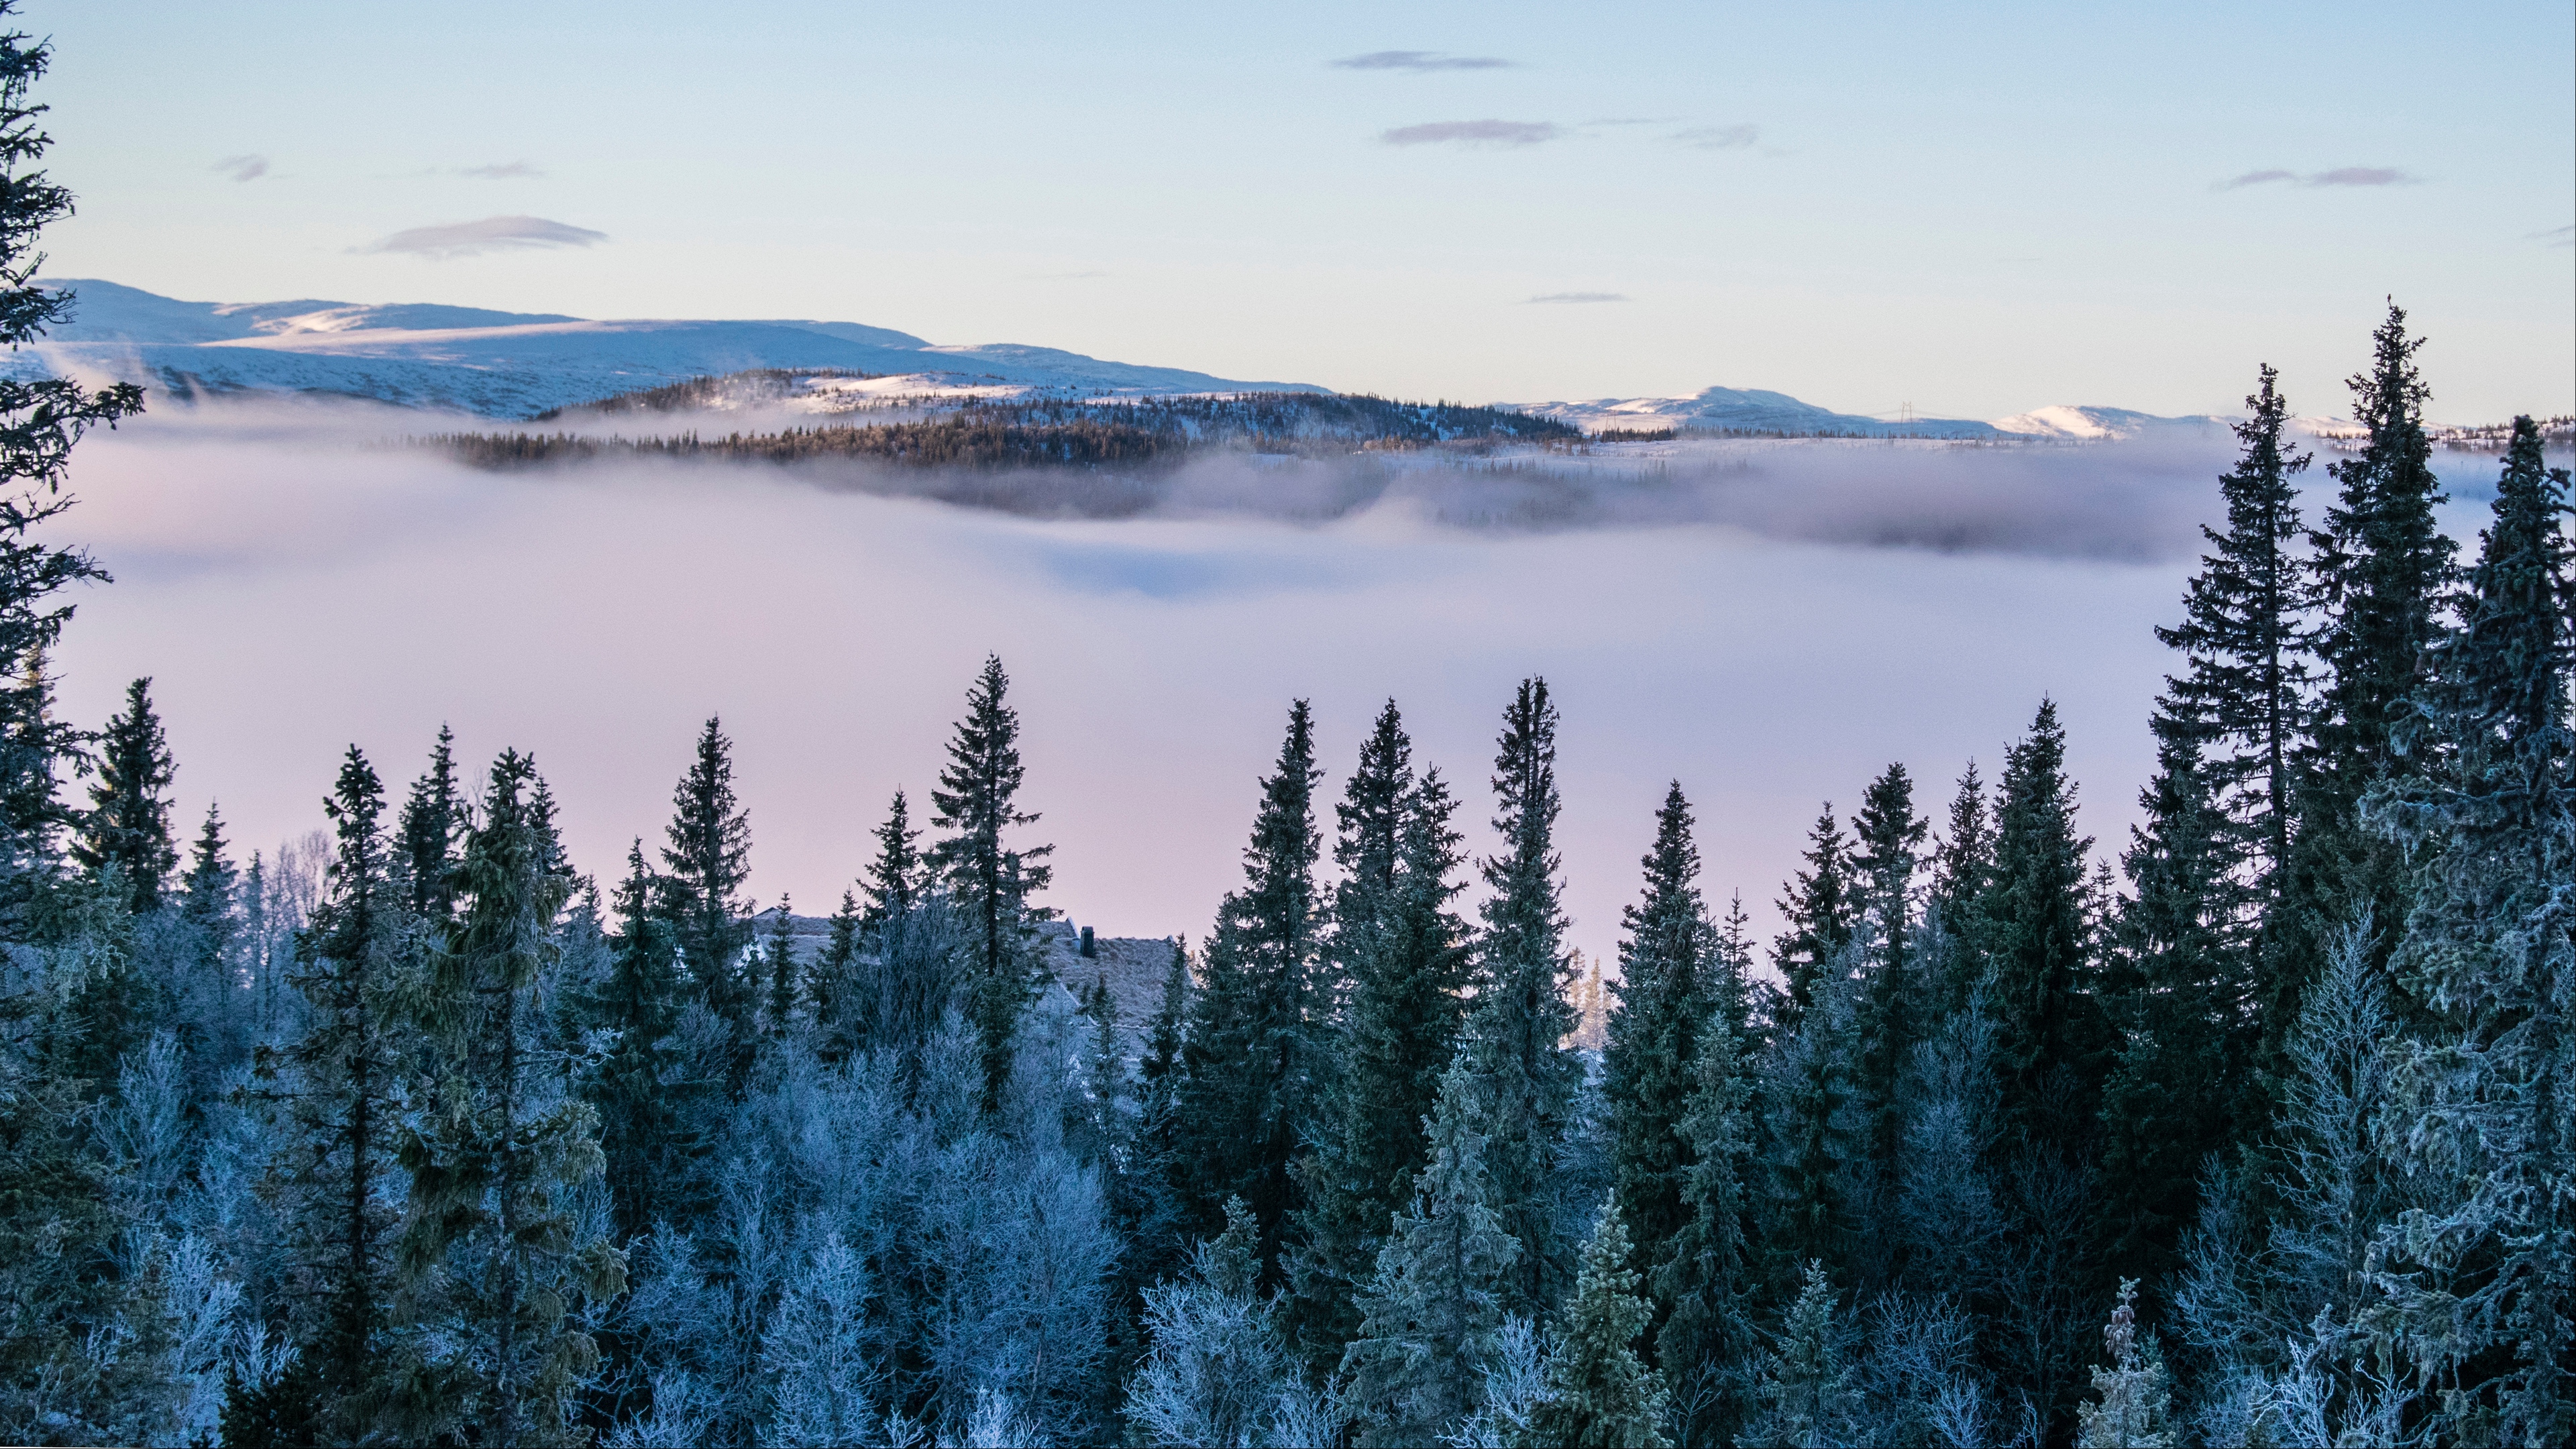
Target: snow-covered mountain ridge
column 1759, row 411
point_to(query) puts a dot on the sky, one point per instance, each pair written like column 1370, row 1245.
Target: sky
column 1972, row 209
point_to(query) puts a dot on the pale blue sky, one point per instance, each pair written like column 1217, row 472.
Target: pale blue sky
column 1973, row 210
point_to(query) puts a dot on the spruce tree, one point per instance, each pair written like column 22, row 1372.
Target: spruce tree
column 2481, row 1286
column 1431, row 1317
column 492, row 1231
column 2136, row 1396
column 639, row 1003
column 1963, row 863
column 1522, row 1017
column 2049, row 1035
column 344, row 1100
column 41, row 418
column 780, row 966
column 1707, row 1344
column 827, row 985
column 705, row 863
column 1252, row 1058
column 978, row 806
column 1655, row 1028
column 208, row 901
column 1809, row 1386
column 1821, row 912
column 1817, row 1129
column 432, row 826
column 128, row 824
column 894, row 879
column 1888, row 843
column 1598, row 1391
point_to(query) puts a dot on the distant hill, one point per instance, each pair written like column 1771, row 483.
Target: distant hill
column 519, row 364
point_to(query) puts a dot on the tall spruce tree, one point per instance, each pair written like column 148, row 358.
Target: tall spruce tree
column 1963, row 862
column 639, row 1003
column 432, row 827
column 492, row 1231
column 209, row 901
column 1708, row 1344
column 704, row 865
column 991, row 881
column 1253, row 1054
column 1521, row 1019
column 1431, row 1316
column 1598, row 1391
column 1663, row 1006
column 344, row 1098
column 2481, row 1287
column 1821, row 912
column 1887, row 850
column 128, row 823
column 2049, row 1038
column 1403, row 961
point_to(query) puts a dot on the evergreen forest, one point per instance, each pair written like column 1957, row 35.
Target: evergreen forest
column 2257, row 1127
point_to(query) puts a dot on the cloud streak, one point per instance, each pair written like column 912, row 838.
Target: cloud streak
column 491, row 234
column 1419, row 61
column 2340, row 176
column 1719, row 138
column 500, row 171
column 242, row 168
column 1490, row 133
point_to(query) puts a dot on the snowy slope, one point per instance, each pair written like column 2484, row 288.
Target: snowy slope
column 513, row 364
column 1749, row 410
column 2097, row 424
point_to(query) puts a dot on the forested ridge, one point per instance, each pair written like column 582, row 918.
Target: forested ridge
column 2254, row 1128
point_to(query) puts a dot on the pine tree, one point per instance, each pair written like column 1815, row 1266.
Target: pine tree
column 1431, row 1317
column 2482, row 1285
column 1252, row 1058
column 639, row 1003
column 1663, row 1006
column 894, row 879
column 1404, row 961
column 432, row 825
column 128, row 824
column 1821, row 912
column 344, row 1101
column 2049, row 1036
column 1705, row 1346
column 491, row 1229
column 41, row 418
column 991, row 882
column 1521, row 1017
column 705, row 865
column 1599, row 1392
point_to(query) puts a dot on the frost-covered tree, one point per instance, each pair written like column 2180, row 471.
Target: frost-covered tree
column 1218, row 1371
column 2135, row 1397
column 128, row 822
column 431, row 828
column 1598, row 1390
column 1706, row 1346
column 1807, row 1381
column 1663, row 1007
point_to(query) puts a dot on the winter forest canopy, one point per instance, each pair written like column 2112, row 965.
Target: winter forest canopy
column 2253, row 1128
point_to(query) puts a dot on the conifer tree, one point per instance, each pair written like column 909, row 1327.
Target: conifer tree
column 1431, row 1317
column 1821, row 913
column 639, row 1003
column 990, row 881
column 894, row 879
column 1888, row 841
column 1521, row 1017
column 128, row 824
column 1404, row 961
column 344, row 1101
column 1807, row 1383
column 1817, row 1129
column 41, row 418
column 781, row 966
column 1252, row 1054
column 2482, row 1284
column 2136, row 1395
column 827, row 985
column 491, row 1230
column 1598, row 1391
column 1706, row 1345
column 705, row 863
column 1663, row 1006
column 208, row 902
column 2049, row 1038
column 432, row 826
column 1963, row 863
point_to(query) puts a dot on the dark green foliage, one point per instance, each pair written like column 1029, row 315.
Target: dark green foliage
column 989, row 879
column 827, row 985
column 1599, row 1392
column 1653, row 1051
column 1708, row 1341
column 1822, row 912
column 639, row 1003
column 1887, row 850
column 780, row 966
column 433, row 825
column 705, row 863
column 207, row 900
column 2049, row 1036
column 1963, row 863
column 894, row 880
column 1250, row 1094
column 1521, row 1019
column 128, row 823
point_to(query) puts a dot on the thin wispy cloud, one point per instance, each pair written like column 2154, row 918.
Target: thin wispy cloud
column 1582, row 297
column 1474, row 133
column 2340, row 176
column 491, row 234
column 1418, row 61
column 2558, row 236
column 1719, row 138
column 242, row 168
column 500, row 171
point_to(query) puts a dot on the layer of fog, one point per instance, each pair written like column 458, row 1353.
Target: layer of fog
column 293, row 585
